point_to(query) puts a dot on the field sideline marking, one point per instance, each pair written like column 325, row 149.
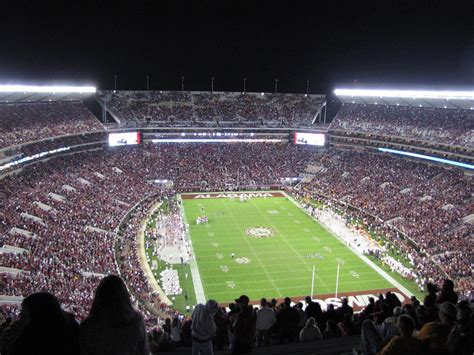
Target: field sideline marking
column 198, row 288
column 294, row 250
column 360, row 255
column 253, row 251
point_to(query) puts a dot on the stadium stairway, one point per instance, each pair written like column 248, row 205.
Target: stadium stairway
column 334, row 346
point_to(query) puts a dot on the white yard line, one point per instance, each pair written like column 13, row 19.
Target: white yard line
column 309, row 266
column 255, row 254
column 360, row 255
column 196, row 276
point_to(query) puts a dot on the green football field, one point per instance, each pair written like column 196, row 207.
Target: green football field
column 274, row 266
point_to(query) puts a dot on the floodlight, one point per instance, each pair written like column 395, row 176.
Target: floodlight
column 424, row 94
column 47, row 89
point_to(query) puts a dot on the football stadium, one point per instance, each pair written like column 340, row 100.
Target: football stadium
column 239, row 181
column 192, row 196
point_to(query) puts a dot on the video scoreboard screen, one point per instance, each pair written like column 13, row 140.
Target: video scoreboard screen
column 318, row 139
column 126, row 138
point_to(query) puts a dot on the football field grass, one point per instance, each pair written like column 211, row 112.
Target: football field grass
column 275, row 266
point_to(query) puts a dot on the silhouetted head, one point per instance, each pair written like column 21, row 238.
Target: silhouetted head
column 112, row 298
column 405, row 325
column 42, row 308
column 448, row 286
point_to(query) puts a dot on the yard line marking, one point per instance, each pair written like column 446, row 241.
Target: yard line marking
column 294, row 250
column 253, row 251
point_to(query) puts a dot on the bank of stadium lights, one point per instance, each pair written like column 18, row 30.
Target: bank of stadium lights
column 414, row 94
column 47, row 89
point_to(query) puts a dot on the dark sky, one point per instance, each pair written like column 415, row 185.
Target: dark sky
column 330, row 43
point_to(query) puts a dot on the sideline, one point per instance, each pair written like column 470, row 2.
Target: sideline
column 142, row 255
column 359, row 254
column 196, row 276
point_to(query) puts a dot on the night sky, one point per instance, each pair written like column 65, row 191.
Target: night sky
column 385, row 43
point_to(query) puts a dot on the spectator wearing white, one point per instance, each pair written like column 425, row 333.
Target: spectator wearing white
column 204, row 328
column 266, row 318
column 310, row 331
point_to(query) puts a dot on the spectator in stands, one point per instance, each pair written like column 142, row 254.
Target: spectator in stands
column 332, row 330
column 313, row 309
column 310, row 331
column 175, row 331
column 343, row 309
column 204, row 328
column 461, row 338
column 346, row 326
column 222, row 326
column 113, row 326
column 430, row 302
column 435, row 334
column 302, row 316
column 244, row 327
column 405, row 342
column 266, row 318
column 447, row 293
column 43, row 328
column 287, row 321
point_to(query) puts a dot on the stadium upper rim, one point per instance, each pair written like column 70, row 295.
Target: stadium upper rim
column 413, row 98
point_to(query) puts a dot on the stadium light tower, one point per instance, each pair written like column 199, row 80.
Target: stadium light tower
column 245, row 81
column 276, row 85
column 115, row 81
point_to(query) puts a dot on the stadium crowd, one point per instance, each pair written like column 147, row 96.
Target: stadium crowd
column 453, row 127
column 415, row 205
column 21, row 123
column 63, row 213
column 112, row 325
column 212, row 109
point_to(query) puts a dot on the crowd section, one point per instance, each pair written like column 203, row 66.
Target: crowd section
column 419, row 207
column 385, row 326
column 81, row 199
column 21, row 123
column 448, row 126
column 55, row 143
column 212, row 109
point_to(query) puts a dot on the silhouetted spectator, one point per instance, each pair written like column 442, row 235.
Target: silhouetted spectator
column 405, row 342
column 346, row 326
column 287, row 321
column 310, row 331
column 113, row 326
column 332, row 330
column 43, row 328
column 244, row 327
column 175, row 331
column 302, row 316
column 447, row 293
column 313, row 309
column 204, row 328
column 461, row 338
column 343, row 309
column 435, row 334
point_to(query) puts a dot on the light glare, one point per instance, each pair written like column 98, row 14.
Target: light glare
column 427, row 94
column 47, row 89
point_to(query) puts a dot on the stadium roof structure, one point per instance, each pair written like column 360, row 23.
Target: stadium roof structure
column 414, row 98
column 26, row 93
